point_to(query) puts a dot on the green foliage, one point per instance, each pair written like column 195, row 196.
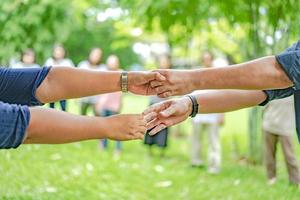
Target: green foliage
column 38, row 24
column 33, row 24
column 260, row 20
column 105, row 35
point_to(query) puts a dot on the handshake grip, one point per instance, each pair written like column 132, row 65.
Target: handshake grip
column 162, row 83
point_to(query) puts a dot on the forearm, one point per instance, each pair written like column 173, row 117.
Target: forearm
column 260, row 74
column 228, row 100
column 66, row 82
column 48, row 126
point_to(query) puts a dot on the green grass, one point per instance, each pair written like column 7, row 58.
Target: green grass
column 82, row 171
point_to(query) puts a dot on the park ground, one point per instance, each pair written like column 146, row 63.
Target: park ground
column 82, row 171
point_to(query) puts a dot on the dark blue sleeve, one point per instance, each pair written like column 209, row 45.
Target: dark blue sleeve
column 297, row 112
column 18, row 86
column 14, row 120
column 277, row 94
column 290, row 63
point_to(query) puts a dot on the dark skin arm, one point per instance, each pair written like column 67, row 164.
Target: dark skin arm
column 259, row 74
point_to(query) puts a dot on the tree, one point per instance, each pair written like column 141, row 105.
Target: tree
column 33, row 24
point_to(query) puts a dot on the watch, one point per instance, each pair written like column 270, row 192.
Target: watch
column 124, row 81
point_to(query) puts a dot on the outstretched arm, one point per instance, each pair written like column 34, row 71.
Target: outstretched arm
column 260, row 74
column 66, row 82
column 172, row 112
column 48, row 126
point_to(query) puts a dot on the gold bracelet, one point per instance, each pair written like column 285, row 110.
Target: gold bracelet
column 124, row 81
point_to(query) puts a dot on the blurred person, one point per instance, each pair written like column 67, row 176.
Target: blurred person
column 161, row 138
column 94, row 63
column 279, row 126
column 110, row 104
column 27, row 60
column 58, row 59
column 209, row 124
column 21, row 88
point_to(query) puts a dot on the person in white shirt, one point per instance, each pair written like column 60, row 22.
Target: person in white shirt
column 279, row 126
column 93, row 62
column 209, row 123
column 58, row 59
column 27, row 60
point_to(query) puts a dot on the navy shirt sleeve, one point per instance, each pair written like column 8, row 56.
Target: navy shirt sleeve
column 14, row 120
column 277, row 94
column 290, row 63
column 18, row 86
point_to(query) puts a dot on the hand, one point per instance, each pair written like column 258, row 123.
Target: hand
column 168, row 113
column 178, row 82
column 127, row 127
column 139, row 82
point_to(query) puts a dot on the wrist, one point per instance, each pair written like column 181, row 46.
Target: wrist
column 194, row 79
column 130, row 80
column 124, row 81
column 195, row 105
column 188, row 104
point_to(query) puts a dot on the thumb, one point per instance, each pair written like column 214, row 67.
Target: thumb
column 155, row 75
column 159, row 76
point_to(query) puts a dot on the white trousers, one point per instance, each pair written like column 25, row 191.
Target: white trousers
column 214, row 147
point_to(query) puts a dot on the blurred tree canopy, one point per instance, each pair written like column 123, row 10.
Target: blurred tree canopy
column 33, row 24
column 268, row 25
column 241, row 29
column 39, row 24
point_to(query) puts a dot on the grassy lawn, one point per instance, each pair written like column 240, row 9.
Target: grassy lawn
column 82, row 171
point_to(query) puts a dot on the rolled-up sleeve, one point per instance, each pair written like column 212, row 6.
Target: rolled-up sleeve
column 290, row 63
column 18, row 86
column 277, row 94
column 14, row 120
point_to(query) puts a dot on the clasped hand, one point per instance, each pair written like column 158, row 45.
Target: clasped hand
column 163, row 83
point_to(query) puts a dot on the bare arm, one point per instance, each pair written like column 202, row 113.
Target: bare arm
column 66, row 82
column 172, row 112
column 48, row 126
column 259, row 74
column 228, row 100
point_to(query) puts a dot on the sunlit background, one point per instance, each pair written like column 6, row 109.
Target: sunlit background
column 139, row 32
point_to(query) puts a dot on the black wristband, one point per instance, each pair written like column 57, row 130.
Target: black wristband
column 195, row 105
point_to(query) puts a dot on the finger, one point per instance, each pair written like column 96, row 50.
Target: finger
column 155, row 84
column 150, row 116
column 161, row 89
column 153, row 123
column 165, row 94
column 157, row 107
column 149, row 76
column 157, row 129
column 159, row 76
column 169, row 111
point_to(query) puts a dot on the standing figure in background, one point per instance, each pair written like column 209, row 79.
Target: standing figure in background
column 207, row 123
column 27, row 60
column 279, row 125
column 93, row 62
column 161, row 138
column 58, row 59
column 110, row 104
